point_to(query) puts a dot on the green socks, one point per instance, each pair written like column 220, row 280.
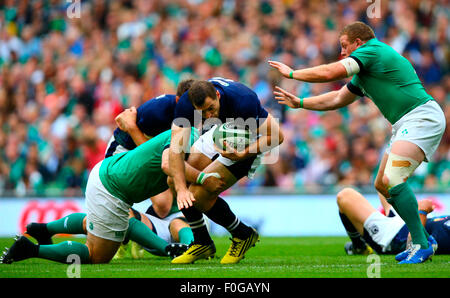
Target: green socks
column 70, row 224
column 405, row 203
column 143, row 235
column 59, row 252
column 186, row 236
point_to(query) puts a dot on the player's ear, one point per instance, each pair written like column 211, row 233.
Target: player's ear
column 358, row 41
column 217, row 94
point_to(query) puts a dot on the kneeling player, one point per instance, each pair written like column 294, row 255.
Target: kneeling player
column 114, row 185
column 370, row 230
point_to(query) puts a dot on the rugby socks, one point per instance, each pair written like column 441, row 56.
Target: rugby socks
column 61, row 251
column 143, row 235
column 405, row 203
column 355, row 236
column 221, row 214
column 185, row 235
column 70, row 224
column 198, row 225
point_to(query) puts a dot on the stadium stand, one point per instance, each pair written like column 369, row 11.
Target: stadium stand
column 63, row 80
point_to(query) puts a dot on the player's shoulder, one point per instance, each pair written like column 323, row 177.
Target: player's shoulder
column 227, row 84
column 233, row 90
column 158, row 101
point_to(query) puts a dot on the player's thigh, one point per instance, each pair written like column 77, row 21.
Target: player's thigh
column 408, row 149
column 197, row 159
column 162, row 203
column 101, row 250
column 204, row 200
column 355, row 207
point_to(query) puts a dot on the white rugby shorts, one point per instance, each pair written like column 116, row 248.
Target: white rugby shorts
column 383, row 229
column 161, row 225
column 423, row 126
column 107, row 216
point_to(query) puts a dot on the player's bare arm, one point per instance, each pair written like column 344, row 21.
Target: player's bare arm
column 178, row 147
column 318, row 74
column 212, row 182
column 270, row 137
column 324, row 102
column 126, row 121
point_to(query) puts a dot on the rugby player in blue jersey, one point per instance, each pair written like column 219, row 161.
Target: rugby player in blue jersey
column 136, row 126
column 222, row 100
column 369, row 230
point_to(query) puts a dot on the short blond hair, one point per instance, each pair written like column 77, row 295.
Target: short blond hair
column 357, row 30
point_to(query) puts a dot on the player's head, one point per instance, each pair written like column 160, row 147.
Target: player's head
column 183, row 86
column 353, row 36
column 204, row 96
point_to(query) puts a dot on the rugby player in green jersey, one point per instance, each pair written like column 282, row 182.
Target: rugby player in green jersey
column 391, row 82
column 114, row 185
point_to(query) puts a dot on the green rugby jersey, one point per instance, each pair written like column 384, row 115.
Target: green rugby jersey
column 136, row 175
column 388, row 79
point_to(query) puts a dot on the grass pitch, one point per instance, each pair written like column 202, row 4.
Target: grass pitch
column 272, row 257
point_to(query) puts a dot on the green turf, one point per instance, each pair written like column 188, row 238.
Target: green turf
column 272, row 257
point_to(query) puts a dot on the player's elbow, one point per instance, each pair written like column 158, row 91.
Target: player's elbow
column 165, row 167
column 165, row 162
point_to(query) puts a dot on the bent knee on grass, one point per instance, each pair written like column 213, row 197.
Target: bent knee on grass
column 101, row 250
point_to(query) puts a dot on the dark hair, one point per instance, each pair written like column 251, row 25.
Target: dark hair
column 357, row 30
column 199, row 91
column 184, row 86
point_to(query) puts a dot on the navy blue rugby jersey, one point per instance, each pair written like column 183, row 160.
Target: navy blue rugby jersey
column 439, row 228
column 236, row 101
column 153, row 117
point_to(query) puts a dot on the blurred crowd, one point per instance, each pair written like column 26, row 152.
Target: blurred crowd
column 66, row 71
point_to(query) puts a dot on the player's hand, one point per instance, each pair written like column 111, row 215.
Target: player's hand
column 231, row 153
column 286, row 98
column 185, row 199
column 214, row 185
column 281, row 67
column 426, row 205
column 126, row 120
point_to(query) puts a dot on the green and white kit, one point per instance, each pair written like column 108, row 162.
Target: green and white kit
column 391, row 82
column 119, row 181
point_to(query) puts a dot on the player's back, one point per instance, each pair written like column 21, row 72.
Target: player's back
column 439, row 228
column 388, row 79
column 136, row 175
column 153, row 117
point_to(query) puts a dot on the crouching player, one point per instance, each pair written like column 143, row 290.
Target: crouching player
column 369, row 230
column 114, row 185
column 163, row 237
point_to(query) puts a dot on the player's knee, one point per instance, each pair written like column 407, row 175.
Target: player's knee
column 398, row 170
column 379, row 185
column 170, row 182
column 203, row 198
column 344, row 197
